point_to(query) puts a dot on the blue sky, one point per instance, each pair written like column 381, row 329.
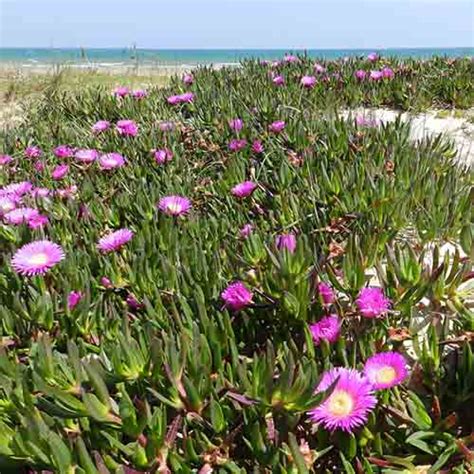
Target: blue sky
column 237, row 23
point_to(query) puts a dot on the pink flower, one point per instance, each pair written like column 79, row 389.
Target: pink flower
column 67, row 192
column 236, row 296
column 362, row 121
column 385, row 370
column 133, row 303
column 37, row 222
column 111, row 160
column 73, row 299
column 372, row 302
column 277, row 127
column 39, row 166
column 237, row 145
column 387, row 73
column 8, row 203
column 86, row 155
column 188, row 79
column 139, row 94
column 5, row 160
column 278, row 80
column 244, row 189
column 63, row 151
column 163, row 155
column 173, row 99
column 327, row 329
column 290, row 58
column 376, row 75
column 372, row 57
column 286, row 242
column 39, row 192
column 350, row 402
column 308, row 81
column 319, row 69
column 245, row 231
column 18, row 189
column 105, row 282
column 236, row 124
column 167, row 126
column 37, row 257
column 257, row 147
column 186, row 97
column 326, row 293
column 20, row 215
column 127, row 128
column 33, row 151
column 121, row 91
column 174, row 205
column 360, row 74
column 100, row 126
column 114, row 240
column 60, row 172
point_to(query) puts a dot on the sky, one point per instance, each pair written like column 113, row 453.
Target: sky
column 237, row 23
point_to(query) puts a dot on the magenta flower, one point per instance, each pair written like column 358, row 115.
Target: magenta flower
column 18, row 189
column 308, row 81
column 277, row 127
column 245, row 231
column 37, row 222
column 173, row 99
column 385, row 370
column 105, row 282
column 121, row 91
column 60, row 172
column 63, row 151
column 114, row 240
column 319, row 68
column 167, row 126
column 286, row 242
column 188, row 79
column 5, row 160
column 36, row 258
column 186, row 97
column 360, row 74
column 237, row 145
column 350, row 402
column 236, row 124
column 372, row 302
column 127, row 128
column 257, row 147
column 326, row 293
column 278, row 80
column 73, row 299
column 33, row 151
column 174, row 205
column 244, row 189
column 163, row 155
column 387, row 73
column 372, row 57
column 20, row 215
column 8, row 203
column 39, row 192
column 290, row 58
column 376, row 75
column 362, row 121
column 39, row 166
column 86, row 155
column 133, row 303
column 237, row 296
column 139, row 94
column 111, row 160
column 100, row 126
column 327, row 329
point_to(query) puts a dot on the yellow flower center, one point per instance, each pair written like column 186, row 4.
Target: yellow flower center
column 386, row 374
column 39, row 259
column 340, row 403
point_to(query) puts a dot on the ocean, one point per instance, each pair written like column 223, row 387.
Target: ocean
column 168, row 57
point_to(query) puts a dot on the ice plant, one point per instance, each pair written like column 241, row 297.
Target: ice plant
column 308, row 81
column 8, row 203
column 60, row 172
column 86, row 155
column 286, row 242
column 33, row 151
column 237, row 145
column 244, row 189
column 385, row 370
column 327, row 329
column 100, row 126
column 174, row 205
column 114, row 240
column 188, row 79
column 73, row 299
column 111, row 160
column 245, row 231
column 18, row 189
column 350, row 402
column 372, row 303
column 139, row 94
column 277, row 126
column 278, row 80
column 63, row 151
column 37, row 222
column 360, row 74
column 326, row 293
column 127, row 128
column 121, row 91
column 388, row 73
column 376, row 75
column 319, row 68
column 290, row 58
column 257, row 147
column 163, row 155
column 36, row 258
column 236, row 296
column 166, row 126
column 372, row 57
column 5, row 160
column 20, row 215
column 236, row 124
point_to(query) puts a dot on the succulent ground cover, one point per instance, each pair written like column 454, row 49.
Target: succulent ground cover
column 223, row 276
